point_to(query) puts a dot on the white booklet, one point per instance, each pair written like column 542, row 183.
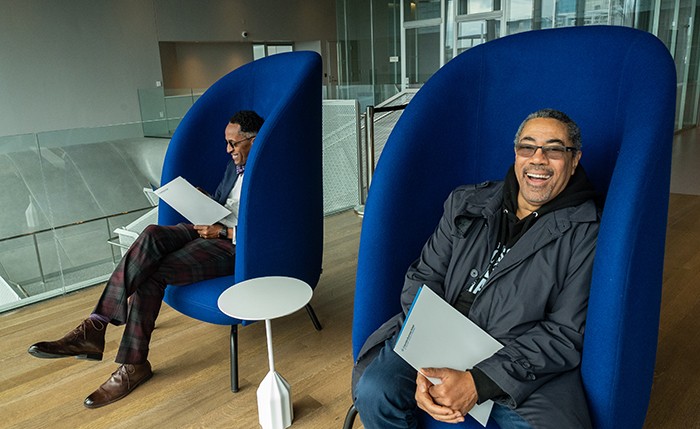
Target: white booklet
column 436, row 335
column 194, row 205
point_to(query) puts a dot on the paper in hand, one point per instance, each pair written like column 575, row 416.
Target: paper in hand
column 191, row 203
column 436, row 335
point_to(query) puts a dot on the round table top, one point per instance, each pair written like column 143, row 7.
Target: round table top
column 265, row 298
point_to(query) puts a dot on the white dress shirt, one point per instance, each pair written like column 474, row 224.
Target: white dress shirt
column 233, row 202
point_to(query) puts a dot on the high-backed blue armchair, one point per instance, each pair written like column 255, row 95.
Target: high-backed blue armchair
column 280, row 219
column 618, row 84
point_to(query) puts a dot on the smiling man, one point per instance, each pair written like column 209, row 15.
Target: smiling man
column 162, row 255
column 516, row 258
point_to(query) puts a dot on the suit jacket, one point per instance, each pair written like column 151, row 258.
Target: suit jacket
column 226, row 184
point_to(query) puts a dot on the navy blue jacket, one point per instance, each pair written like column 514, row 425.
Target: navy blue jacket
column 226, row 184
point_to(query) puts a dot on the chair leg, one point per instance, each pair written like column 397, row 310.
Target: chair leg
column 234, row 358
column 350, row 417
column 313, row 317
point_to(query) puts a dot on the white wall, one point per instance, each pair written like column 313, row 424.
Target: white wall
column 74, row 63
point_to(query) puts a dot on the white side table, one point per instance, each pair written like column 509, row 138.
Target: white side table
column 266, row 298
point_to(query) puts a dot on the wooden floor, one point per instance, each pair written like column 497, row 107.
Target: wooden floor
column 190, row 388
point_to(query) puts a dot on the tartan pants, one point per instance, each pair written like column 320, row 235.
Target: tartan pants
column 160, row 256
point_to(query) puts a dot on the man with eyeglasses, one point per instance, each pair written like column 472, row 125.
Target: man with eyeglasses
column 177, row 255
column 516, row 258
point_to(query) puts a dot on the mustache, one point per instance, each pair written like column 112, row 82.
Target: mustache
column 538, row 169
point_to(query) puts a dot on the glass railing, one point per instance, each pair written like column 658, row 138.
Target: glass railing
column 73, row 200
column 162, row 110
column 64, row 195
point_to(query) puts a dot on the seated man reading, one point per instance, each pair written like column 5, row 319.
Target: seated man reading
column 516, row 258
column 162, row 255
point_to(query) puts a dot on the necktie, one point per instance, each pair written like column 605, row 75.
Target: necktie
column 240, row 169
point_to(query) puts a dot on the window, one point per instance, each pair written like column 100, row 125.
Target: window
column 261, row 50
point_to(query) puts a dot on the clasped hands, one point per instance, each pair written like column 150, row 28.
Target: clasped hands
column 449, row 401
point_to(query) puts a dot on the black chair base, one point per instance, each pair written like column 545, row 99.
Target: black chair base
column 350, row 417
column 314, row 319
column 234, row 347
column 234, row 358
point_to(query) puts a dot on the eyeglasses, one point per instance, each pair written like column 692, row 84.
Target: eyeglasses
column 234, row 144
column 550, row 151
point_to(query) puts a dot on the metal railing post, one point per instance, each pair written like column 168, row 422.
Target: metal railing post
column 370, row 144
column 38, row 259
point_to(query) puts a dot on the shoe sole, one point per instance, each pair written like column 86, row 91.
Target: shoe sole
column 143, row 380
column 44, row 355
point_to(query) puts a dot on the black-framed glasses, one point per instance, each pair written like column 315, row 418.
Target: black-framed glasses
column 552, row 151
column 234, row 144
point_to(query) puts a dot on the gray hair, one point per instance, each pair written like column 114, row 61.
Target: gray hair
column 573, row 129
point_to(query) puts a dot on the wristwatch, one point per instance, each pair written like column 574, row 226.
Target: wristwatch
column 223, row 233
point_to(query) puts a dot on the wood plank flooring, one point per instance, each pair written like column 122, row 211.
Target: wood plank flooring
column 191, row 387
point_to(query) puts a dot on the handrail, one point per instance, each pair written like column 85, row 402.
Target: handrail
column 80, row 222
column 33, row 234
column 369, row 160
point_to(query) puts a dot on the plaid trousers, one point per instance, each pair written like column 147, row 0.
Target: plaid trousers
column 160, row 256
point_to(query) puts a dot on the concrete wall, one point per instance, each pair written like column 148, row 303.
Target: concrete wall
column 79, row 63
column 199, row 44
column 198, row 65
column 264, row 20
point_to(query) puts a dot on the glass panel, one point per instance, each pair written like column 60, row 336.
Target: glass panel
column 449, row 30
column 465, row 7
column 177, row 103
column 369, row 49
column 152, row 104
column 683, row 55
column 673, row 35
column 278, row 49
column 258, row 52
column 543, row 14
column 617, row 12
column 473, row 33
column 596, row 12
column 639, row 14
column 386, row 49
column 519, row 17
column 566, row 13
column 667, row 25
column 61, row 189
column 421, row 9
column 76, row 254
column 20, row 266
column 422, row 54
column 24, row 212
column 690, row 117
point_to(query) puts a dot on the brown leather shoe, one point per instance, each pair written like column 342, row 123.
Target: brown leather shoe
column 87, row 341
column 125, row 379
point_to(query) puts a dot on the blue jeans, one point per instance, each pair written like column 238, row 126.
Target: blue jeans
column 385, row 395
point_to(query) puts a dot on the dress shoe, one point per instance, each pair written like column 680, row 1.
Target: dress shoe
column 87, row 341
column 125, row 379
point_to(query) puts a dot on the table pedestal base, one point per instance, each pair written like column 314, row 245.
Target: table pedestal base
column 275, row 402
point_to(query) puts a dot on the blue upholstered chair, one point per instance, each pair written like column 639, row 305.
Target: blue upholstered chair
column 618, row 84
column 280, row 223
